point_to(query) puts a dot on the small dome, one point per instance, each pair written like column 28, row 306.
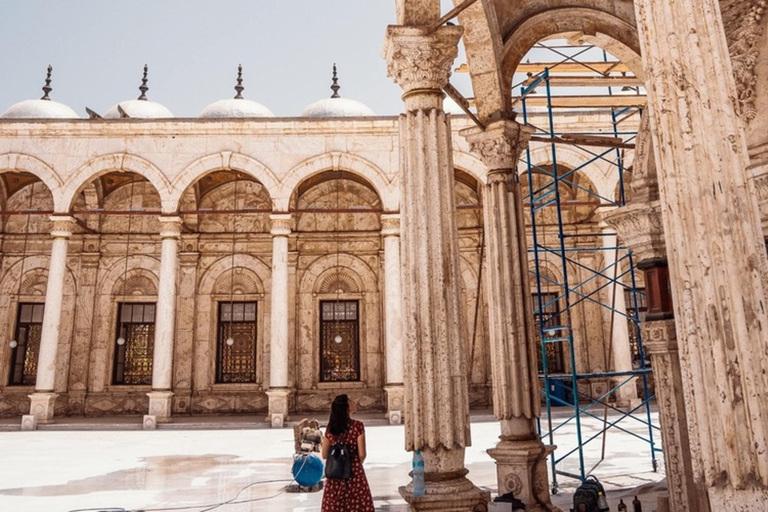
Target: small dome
column 138, row 109
column 337, row 107
column 44, row 108
column 39, row 109
column 236, row 108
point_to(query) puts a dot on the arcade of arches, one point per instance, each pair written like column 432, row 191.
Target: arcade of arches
column 266, row 265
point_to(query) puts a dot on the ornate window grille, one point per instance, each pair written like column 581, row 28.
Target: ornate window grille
column 133, row 359
column 339, row 341
column 550, row 318
column 236, row 363
column 634, row 323
column 29, row 326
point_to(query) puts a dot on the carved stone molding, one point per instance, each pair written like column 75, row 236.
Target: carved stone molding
column 390, row 224
column 417, row 61
column 170, row 227
column 641, row 229
column 743, row 28
column 63, row 226
column 282, row 224
column 499, row 146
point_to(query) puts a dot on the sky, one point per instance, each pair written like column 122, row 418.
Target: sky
column 193, row 47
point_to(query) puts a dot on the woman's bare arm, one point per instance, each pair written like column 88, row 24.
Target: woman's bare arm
column 325, row 447
column 361, row 447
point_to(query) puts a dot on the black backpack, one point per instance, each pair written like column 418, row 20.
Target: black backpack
column 339, row 462
column 590, row 496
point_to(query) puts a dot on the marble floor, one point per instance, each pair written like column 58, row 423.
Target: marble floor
column 97, row 466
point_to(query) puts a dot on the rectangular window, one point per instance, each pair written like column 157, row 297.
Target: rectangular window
column 633, row 323
column 134, row 345
column 29, row 327
column 339, row 341
column 236, row 343
column 549, row 317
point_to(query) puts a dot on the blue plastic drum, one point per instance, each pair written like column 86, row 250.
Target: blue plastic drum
column 307, row 469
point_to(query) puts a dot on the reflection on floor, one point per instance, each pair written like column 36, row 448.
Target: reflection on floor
column 96, row 469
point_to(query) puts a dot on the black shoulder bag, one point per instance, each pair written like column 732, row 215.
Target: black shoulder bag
column 339, row 463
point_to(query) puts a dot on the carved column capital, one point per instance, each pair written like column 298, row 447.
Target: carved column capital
column 418, row 61
column 641, row 229
column 499, row 146
column 63, row 226
column 390, row 224
column 170, row 227
column 281, row 224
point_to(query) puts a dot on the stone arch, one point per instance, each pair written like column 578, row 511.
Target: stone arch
column 336, row 161
column 138, row 264
column 135, row 282
column 471, row 165
column 238, row 281
column 103, row 164
column 32, row 165
column 254, row 275
column 353, row 267
column 332, row 281
column 224, row 160
column 562, row 20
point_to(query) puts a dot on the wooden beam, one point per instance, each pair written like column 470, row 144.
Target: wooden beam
column 624, row 100
column 564, row 139
column 590, row 81
column 564, row 67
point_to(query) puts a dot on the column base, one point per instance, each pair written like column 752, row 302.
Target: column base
column 521, row 468
column 160, row 405
column 279, row 400
column 447, row 492
column 394, row 394
column 41, row 407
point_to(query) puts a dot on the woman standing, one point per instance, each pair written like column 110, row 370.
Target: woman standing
column 353, row 494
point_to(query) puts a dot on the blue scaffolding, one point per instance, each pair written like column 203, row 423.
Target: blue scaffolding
column 561, row 243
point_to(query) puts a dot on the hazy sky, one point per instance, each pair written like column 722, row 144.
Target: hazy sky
column 193, row 47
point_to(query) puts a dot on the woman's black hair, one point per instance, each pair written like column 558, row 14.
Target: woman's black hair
column 339, row 420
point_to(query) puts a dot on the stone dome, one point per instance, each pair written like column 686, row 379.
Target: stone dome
column 236, row 108
column 39, row 109
column 139, row 109
column 337, row 107
column 44, row 108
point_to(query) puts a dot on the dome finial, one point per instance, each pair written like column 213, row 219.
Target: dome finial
column 335, row 87
column 143, row 87
column 239, row 87
column 47, row 87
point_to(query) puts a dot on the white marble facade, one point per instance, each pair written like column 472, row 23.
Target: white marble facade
column 283, row 255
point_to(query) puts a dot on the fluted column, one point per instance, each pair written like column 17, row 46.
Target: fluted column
column 393, row 313
column 520, row 456
column 717, row 261
column 279, row 394
column 43, row 399
column 621, row 351
column 436, row 408
column 165, row 323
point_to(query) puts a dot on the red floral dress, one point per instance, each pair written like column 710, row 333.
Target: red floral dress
column 352, row 495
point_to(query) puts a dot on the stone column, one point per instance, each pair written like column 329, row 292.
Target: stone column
column 393, row 313
column 43, row 399
column 621, row 352
column 183, row 357
column 717, row 261
column 521, row 457
column 436, row 407
column 279, row 394
column 165, row 324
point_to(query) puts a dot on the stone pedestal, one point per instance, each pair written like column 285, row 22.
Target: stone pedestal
column 160, row 405
column 395, row 396
column 42, row 407
column 530, row 486
column 279, row 405
column 28, row 422
column 436, row 405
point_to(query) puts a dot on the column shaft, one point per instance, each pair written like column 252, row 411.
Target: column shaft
column 278, row 352
column 393, row 313
column 716, row 254
column 54, row 293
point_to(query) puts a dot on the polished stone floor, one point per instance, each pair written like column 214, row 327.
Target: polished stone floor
column 102, row 465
